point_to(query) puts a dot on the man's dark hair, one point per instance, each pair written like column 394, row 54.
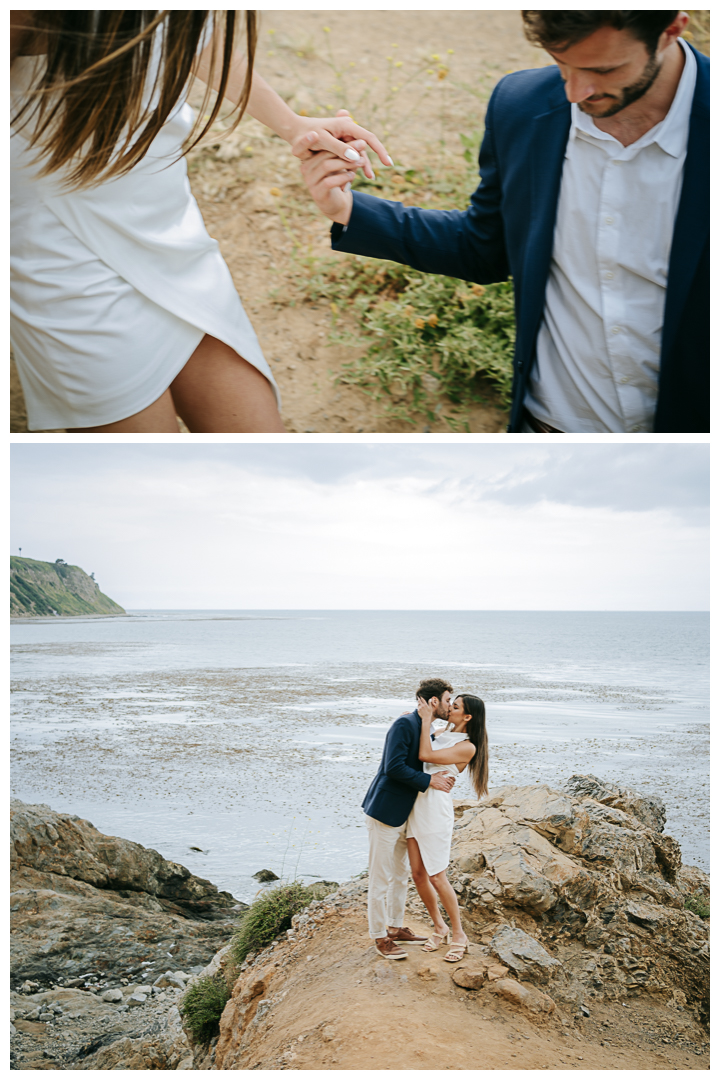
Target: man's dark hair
column 559, row 30
column 430, row 688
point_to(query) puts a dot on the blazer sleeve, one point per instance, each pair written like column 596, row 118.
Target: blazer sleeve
column 396, row 767
column 467, row 244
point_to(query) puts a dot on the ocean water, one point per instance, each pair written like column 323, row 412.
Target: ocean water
column 236, row 741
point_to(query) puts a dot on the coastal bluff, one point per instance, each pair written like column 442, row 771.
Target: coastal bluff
column 46, row 589
column 589, row 950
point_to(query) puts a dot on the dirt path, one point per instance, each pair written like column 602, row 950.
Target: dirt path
column 321, row 1008
column 419, row 116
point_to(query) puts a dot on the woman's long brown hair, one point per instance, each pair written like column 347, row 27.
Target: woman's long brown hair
column 94, row 106
column 477, row 734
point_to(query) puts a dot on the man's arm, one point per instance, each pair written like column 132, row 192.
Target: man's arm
column 466, row 244
column 400, row 738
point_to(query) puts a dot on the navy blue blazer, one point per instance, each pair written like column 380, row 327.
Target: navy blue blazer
column 394, row 788
column 508, row 230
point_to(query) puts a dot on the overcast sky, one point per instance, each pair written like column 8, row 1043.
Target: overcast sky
column 432, row 525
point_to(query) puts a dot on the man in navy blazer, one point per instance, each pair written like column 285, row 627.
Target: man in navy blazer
column 387, row 807
column 594, row 198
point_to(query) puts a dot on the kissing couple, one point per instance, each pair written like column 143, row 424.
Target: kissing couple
column 409, row 815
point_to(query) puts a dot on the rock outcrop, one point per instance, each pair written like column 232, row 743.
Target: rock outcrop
column 592, row 875
column 582, row 951
column 574, row 902
column 44, row 588
column 94, row 907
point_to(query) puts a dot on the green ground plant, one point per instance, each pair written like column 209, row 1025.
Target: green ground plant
column 203, row 1005
column 698, row 904
column 425, row 336
column 268, row 916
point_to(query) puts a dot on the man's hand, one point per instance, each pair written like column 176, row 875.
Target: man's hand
column 442, row 781
column 336, row 133
column 328, row 179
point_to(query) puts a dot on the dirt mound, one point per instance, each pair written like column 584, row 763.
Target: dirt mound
column 582, row 955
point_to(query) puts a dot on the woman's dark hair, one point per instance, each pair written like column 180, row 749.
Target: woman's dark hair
column 559, row 30
column 476, row 733
column 95, row 104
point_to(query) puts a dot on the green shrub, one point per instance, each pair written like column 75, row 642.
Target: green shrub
column 202, row 1006
column 425, row 336
column 267, row 917
column 698, row 905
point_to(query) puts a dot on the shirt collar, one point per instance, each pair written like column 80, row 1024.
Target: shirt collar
column 670, row 134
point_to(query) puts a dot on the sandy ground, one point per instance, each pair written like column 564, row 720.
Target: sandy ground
column 261, row 234
column 326, row 1013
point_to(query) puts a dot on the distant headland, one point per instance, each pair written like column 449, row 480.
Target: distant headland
column 42, row 589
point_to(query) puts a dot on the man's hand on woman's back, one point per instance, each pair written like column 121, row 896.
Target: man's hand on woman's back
column 442, row 781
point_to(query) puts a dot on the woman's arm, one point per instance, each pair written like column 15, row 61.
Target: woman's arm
column 453, row 755
column 268, row 107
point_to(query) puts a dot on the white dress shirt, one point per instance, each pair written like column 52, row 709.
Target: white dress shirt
column 598, row 348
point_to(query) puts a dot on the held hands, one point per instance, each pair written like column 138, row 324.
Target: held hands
column 328, row 165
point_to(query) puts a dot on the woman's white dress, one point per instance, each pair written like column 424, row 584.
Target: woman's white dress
column 113, row 287
column 432, row 816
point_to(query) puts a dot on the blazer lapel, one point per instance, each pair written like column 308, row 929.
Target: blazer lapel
column 692, row 223
column 547, row 155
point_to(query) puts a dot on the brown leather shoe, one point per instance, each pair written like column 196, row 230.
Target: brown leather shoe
column 407, row 936
column 387, row 948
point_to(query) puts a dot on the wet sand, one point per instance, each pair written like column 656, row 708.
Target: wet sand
column 264, row 767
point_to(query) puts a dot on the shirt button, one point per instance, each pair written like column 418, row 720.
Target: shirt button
column 617, row 329
column 609, row 220
column 609, row 275
column 625, row 379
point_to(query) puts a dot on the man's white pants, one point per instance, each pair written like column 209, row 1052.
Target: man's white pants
column 389, row 870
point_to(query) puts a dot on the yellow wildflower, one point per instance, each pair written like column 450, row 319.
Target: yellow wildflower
column 479, row 290
column 326, row 29
column 409, row 311
column 333, row 308
column 398, row 63
column 420, row 323
column 451, row 52
column 433, row 320
column 442, row 73
column 276, row 192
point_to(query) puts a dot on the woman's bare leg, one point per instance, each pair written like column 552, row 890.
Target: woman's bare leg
column 219, row 391
column 158, row 417
column 449, row 901
column 424, row 887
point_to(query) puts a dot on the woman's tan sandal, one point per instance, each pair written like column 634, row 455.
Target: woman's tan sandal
column 435, row 940
column 456, row 953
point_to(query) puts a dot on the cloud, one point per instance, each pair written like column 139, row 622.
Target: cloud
column 619, row 477
column 383, row 526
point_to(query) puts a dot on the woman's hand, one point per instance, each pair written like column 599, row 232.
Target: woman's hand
column 331, row 133
column 425, row 711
